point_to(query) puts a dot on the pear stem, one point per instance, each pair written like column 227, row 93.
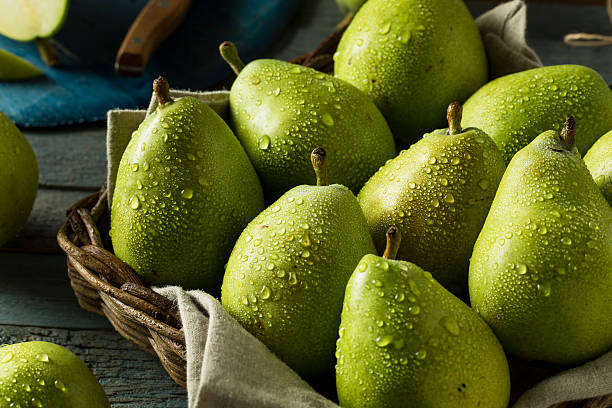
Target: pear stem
column 394, row 238
column 47, row 52
column 229, row 53
column 568, row 134
column 319, row 163
column 453, row 115
column 162, row 91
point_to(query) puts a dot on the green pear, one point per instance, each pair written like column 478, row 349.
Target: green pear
column 286, row 276
column 13, row 68
column 281, row 111
column 413, row 57
column 185, row 189
column 405, row 341
column 42, row 374
column 541, row 271
column 18, row 179
column 599, row 162
column 516, row 108
column 438, row 194
column 350, row 5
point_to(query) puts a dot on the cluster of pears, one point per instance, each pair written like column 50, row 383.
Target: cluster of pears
column 527, row 242
column 42, row 374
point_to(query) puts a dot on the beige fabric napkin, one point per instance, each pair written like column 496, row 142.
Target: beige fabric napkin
column 228, row 367
column 503, row 32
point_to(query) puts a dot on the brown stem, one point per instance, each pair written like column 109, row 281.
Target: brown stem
column 229, row 53
column 319, row 163
column 453, row 115
column 568, row 134
column 394, row 238
column 162, row 91
column 47, row 52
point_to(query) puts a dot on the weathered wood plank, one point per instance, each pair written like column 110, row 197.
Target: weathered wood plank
column 35, row 291
column 130, row 377
column 48, row 215
column 73, row 157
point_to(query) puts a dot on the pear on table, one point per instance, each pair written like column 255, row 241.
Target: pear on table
column 405, row 341
column 42, row 374
column 185, row 190
column 599, row 162
column 281, row 111
column 18, row 179
column 286, row 276
column 413, row 58
column 437, row 193
column 541, row 270
column 516, row 108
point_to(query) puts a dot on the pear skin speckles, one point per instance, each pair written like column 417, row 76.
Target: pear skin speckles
column 286, row 276
column 437, row 193
column 406, row 341
column 413, row 58
column 185, row 189
column 544, row 249
column 281, row 111
column 41, row 374
column 516, row 108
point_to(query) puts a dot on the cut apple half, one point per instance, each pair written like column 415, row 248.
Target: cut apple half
column 25, row 20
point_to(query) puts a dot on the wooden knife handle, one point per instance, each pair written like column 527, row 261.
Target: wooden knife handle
column 157, row 20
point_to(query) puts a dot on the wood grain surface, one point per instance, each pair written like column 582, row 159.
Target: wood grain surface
column 36, row 301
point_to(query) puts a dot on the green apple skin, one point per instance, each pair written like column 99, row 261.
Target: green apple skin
column 516, row 108
column 18, row 179
column 41, row 374
column 541, row 270
column 437, row 193
column 405, row 341
column 286, row 277
column 413, row 58
column 13, row 68
column 599, row 162
column 281, row 112
column 25, row 21
column 185, row 190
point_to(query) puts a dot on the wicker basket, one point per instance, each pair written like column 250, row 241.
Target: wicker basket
column 105, row 285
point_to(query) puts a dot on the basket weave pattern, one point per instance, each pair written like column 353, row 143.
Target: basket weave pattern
column 105, row 285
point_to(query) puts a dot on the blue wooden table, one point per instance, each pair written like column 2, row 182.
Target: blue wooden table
column 36, row 301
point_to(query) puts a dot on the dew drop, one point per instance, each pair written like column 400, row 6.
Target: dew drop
column 327, row 119
column 264, row 142
column 42, row 357
column 483, row 184
column 450, row 325
column 134, row 202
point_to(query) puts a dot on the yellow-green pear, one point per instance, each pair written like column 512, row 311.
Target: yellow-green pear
column 516, row 108
column 185, row 190
column 41, row 374
column 282, row 111
column 18, row 179
column 541, row 270
column 599, row 162
column 413, row 58
column 405, row 341
column 286, row 276
column 437, row 193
